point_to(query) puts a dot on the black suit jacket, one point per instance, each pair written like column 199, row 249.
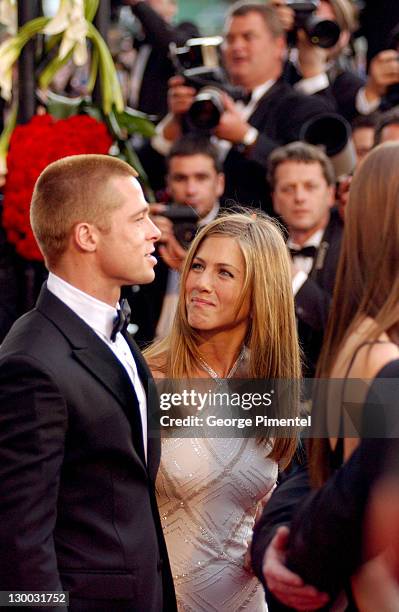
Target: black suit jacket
column 312, row 302
column 278, row 116
column 78, row 508
column 341, row 92
column 159, row 68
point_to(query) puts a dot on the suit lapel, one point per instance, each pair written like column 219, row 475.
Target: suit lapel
column 94, row 355
column 153, row 443
column 269, row 99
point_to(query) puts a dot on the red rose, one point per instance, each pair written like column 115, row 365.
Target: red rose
column 33, row 147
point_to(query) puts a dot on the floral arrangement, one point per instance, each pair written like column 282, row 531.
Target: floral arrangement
column 38, row 143
column 74, row 125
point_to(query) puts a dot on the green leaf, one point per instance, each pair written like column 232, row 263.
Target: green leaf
column 129, row 154
column 62, row 107
column 114, row 125
column 93, row 69
column 8, row 130
column 51, row 42
column 135, row 122
column 88, row 108
column 91, row 7
column 49, row 72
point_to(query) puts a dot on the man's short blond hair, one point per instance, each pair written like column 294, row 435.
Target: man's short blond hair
column 74, row 190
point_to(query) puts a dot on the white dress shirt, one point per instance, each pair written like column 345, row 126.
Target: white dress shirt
column 304, row 264
column 100, row 317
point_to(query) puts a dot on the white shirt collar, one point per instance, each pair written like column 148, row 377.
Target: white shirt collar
column 213, row 213
column 314, row 240
column 259, row 91
column 95, row 313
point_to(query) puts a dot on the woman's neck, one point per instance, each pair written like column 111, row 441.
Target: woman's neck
column 220, row 354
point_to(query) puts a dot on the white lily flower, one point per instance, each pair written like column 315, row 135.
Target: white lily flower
column 9, row 52
column 8, row 15
column 60, row 22
column 70, row 19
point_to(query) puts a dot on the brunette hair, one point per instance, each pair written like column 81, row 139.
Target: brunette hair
column 367, row 281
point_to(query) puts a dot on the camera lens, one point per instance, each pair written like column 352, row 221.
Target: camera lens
column 322, row 32
column 207, row 108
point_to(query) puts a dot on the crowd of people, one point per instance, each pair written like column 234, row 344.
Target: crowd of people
column 262, row 259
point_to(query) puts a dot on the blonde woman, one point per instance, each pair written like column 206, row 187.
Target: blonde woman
column 235, row 318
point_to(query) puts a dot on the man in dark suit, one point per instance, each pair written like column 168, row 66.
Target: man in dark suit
column 254, row 51
column 326, row 73
column 303, row 184
column 153, row 67
column 327, row 551
column 77, row 469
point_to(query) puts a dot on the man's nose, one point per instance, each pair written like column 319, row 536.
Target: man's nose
column 300, row 193
column 191, row 186
column 153, row 231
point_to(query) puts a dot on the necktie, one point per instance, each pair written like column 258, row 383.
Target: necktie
column 307, row 251
column 122, row 319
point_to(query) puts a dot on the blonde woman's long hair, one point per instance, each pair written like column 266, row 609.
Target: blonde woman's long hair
column 272, row 335
column 367, row 282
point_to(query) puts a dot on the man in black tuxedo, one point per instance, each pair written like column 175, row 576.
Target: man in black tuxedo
column 77, row 470
column 247, row 132
column 303, row 183
column 153, row 67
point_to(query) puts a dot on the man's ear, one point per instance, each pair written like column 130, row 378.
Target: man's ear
column 332, row 195
column 221, row 184
column 85, row 237
column 281, row 47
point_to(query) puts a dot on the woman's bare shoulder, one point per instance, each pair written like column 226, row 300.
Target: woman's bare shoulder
column 370, row 356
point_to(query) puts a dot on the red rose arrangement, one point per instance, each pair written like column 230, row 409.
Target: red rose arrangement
column 34, row 146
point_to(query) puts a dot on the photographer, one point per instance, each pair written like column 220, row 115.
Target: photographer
column 326, row 72
column 152, row 67
column 247, row 132
column 195, row 182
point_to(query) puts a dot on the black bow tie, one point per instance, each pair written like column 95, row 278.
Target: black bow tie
column 307, row 251
column 122, row 319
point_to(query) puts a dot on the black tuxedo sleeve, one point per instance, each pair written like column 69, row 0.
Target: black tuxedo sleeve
column 158, row 32
column 326, row 534
column 345, row 88
column 33, row 426
column 312, row 305
column 277, row 512
column 325, row 546
column 293, row 112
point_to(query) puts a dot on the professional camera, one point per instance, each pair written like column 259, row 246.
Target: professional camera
column 322, row 33
column 333, row 134
column 184, row 219
column 199, row 62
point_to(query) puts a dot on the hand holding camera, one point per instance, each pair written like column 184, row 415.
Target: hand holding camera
column 178, row 224
column 384, row 72
column 312, row 59
column 231, row 126
column 180, row 95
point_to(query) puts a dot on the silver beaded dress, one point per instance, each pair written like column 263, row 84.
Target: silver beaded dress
column 208, row 490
